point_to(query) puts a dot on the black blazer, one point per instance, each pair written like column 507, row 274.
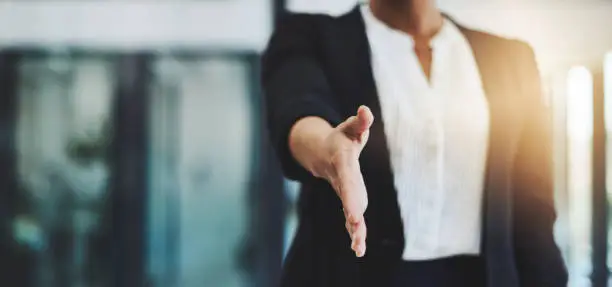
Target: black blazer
column 318, row 65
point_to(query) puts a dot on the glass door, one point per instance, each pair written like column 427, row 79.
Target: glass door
column 202, row 159
column 64, row 108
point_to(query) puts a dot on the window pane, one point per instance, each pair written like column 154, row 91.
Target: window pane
column 64, row 105
column 201, row 169
column 580, row 136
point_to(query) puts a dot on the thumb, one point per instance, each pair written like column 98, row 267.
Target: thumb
column 355, row 126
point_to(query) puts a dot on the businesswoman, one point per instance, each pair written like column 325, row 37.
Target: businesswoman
column 422, row 146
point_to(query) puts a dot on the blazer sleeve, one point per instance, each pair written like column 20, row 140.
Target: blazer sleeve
column 538, row 258
column 295, row 85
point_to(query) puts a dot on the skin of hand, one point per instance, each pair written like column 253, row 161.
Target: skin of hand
column 333, row 154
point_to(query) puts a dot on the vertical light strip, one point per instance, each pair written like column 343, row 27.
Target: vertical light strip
column 580, row 103
column 556, row 88
column 607, row 82
column 580, row 136
column 608, row 90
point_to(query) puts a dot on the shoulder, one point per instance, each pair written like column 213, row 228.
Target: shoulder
column 300, row 33
column 297, row 35
column 297, row 31
column 507, row 55
column 302, row 24
column 305, row 18
column 506, row 45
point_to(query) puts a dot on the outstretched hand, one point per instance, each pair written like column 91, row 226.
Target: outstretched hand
column 344, row 145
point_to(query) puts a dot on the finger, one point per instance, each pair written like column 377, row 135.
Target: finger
column 364, row 138
column 348, row 227
column 358, row 237
column 365, row 117
column 352, row 193
column 355, row 126
column 355, row 203
column 345, row 125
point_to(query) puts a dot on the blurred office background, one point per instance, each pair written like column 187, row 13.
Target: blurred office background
column 132, row 149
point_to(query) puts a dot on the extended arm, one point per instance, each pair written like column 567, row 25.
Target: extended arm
column 305, row 125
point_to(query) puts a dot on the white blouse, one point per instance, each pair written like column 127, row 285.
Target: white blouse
column 437, row 132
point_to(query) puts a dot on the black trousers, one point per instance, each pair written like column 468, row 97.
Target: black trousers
column 459, row 271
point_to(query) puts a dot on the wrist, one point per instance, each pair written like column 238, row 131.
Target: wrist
column 308, row 141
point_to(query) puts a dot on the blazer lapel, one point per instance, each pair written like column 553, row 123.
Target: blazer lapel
column 357, row 56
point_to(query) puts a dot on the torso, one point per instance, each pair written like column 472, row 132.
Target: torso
column 436, row 125
column 320, row 254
